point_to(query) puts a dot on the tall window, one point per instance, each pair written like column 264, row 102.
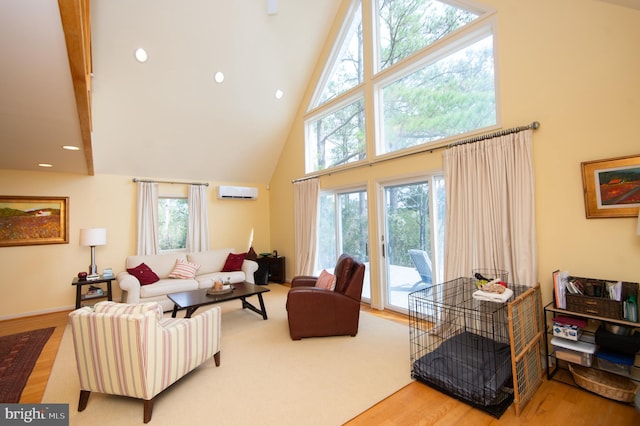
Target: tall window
column 433, row 77
column 343, row 227
column 173, row 215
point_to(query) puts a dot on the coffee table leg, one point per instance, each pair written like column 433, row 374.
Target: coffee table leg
column 175, row 311
column 247, row 305
column 262, row 308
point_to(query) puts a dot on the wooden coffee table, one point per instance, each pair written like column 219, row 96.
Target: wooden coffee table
column 192, row 300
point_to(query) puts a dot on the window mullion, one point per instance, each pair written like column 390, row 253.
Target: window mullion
column 369, row 8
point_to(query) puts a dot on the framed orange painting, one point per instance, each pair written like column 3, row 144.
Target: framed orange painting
column 33, row 220
column 612, row 187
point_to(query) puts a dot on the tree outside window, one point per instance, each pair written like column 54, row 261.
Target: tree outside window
column 173, row 216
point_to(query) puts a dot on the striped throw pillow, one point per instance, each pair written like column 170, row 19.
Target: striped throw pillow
column 184, row 269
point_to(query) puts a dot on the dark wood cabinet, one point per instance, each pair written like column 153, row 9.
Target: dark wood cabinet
column 275, row 267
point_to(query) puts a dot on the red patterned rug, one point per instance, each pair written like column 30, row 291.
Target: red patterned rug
column 18, row 354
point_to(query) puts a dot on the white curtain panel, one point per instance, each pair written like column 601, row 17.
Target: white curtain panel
column 147, row 218
column 198, row 229
column 490, row 208
column 305, row 203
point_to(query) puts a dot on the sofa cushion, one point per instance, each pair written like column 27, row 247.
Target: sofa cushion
column 167, row 286
column 144, row 274
column 161, row 264
column 184, row 269
column 234, row 262
column 209, row 261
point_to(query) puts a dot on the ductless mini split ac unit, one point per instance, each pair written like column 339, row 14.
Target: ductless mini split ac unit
column 238, row 192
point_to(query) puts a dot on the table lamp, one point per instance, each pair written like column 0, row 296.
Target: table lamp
column 93, row 237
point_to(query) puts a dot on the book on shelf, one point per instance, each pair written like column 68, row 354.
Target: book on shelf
column 560, row 284
column 94, row 291
column 107, row 273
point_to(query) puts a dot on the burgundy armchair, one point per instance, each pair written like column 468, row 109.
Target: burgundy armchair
column 316, row 312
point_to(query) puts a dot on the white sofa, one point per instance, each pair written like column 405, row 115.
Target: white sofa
column 211, row 264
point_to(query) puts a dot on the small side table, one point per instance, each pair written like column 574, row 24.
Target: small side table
column 275, row 267
column 82, row 297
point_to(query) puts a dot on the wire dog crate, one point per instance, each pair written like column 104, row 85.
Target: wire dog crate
column 461, row 346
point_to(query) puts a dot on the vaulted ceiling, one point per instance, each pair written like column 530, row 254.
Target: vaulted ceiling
column 167, row 117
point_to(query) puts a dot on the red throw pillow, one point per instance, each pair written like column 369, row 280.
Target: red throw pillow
column 234, row 262
column 144, row 274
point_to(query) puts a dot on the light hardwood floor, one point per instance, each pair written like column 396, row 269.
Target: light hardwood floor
column 33, row 391
column 416, row 404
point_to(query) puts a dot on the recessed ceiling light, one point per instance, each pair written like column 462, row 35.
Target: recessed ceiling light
column 218, row 77
column 272, row 7
column 141, row 55
column 70, row 147
column 279, row 94
column 45, row 165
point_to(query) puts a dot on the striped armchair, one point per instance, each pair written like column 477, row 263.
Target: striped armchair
column 132, row 350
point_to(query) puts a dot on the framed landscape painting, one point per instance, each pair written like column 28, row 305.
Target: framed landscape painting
column 33, row 220
column 612, row 187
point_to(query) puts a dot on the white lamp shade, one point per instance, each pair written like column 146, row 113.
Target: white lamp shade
column 93, row 237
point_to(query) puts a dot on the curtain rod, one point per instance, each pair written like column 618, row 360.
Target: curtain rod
column 534, row 125
column 166, row 181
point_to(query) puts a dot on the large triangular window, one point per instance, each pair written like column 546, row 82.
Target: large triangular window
column 431, row 77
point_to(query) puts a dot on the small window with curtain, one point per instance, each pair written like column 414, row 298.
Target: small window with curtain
column 173, row 221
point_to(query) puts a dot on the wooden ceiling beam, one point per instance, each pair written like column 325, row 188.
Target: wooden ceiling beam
column 76, row 24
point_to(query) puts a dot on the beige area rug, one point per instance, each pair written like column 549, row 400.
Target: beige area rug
column 264, row 377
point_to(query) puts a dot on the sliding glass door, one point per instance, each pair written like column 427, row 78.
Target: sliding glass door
column 343, row 227
column 413, row 237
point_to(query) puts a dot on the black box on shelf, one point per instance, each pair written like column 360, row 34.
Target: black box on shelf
column 627, row 345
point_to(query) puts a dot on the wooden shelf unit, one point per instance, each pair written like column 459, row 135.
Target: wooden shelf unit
column 557, row 369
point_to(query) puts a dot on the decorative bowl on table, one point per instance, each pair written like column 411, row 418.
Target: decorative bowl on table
column 227, row 288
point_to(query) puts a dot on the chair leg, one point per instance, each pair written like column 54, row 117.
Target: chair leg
column 216, row 358
column 83, row 400
column 148, row 409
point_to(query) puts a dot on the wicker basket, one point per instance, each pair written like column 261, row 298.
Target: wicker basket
column 604, row 383
column 601, row 305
